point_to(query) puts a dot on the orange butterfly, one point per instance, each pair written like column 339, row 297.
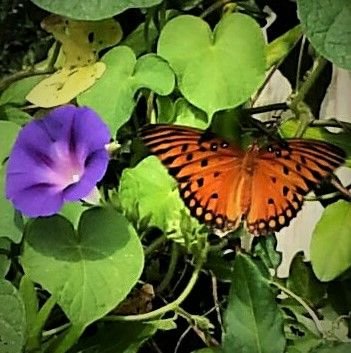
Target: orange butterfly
column 223, row 185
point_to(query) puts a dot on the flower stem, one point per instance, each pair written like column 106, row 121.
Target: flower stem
column 169, row 307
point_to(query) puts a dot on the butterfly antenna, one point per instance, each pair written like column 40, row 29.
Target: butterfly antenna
column 269, row 128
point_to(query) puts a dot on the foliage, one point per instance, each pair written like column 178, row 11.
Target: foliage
column 122, row 272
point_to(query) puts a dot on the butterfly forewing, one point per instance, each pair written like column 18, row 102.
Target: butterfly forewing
column 223, row 185
column 206, row 167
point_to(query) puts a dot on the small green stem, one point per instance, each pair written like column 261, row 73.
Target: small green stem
column 149, row 15
column 214, row 7
column 155, row 245
column 56, row 330
column 69, row 339
column 303, row 304
column 171, row 269
column 35, row 332
column 6, row 82
column 162, row 15
column 219, row 246
column 169, row 307
column 308, row 83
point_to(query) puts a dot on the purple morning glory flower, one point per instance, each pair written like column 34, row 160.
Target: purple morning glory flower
column 58, row 158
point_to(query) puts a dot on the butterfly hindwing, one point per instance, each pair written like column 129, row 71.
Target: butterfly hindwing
column 288, row 172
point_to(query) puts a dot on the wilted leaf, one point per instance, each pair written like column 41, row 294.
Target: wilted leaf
column 64, row 85
column 82, row 40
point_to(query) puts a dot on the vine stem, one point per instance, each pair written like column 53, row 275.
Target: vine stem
column 173, row 306
column 312, row 314
column 320, row 64
column 171, row 269
column 155, row 244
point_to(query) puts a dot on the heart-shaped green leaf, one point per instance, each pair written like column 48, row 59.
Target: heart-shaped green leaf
column 331, row 242
column 327, row 25
column 12, row 319
column 89, row 271
column 218, row 70
column 113, row 95
column 92, row 9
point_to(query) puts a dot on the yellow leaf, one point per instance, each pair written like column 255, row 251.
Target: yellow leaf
column 64, row 85
column 82, row 40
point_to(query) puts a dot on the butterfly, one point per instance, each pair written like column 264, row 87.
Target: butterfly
column 225, row 186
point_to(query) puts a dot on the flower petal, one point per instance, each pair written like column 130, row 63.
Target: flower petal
column 94, row 171
column 39, row 199
column 60, row 157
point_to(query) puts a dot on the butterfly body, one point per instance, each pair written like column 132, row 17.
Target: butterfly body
column 224, row 185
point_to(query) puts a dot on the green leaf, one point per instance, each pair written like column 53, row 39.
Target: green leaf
column 124, row 76
column 8, row 226
column 218, row 70
column 221, row 267
column 127, row 336
column 16, row 93
column 12, row 319
column 5, row 262
column 148, row 190
column 281, row 46
column 333, row 348
column 303, row 282
column 327, row 26
column 29, row 295
column 8, row 134
column 185, row 114
column 88, row 271
column 136, row 40
column 253, row 320
column 330, row 258
column 265, row 249
column 13, row 114
column 92, row 9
